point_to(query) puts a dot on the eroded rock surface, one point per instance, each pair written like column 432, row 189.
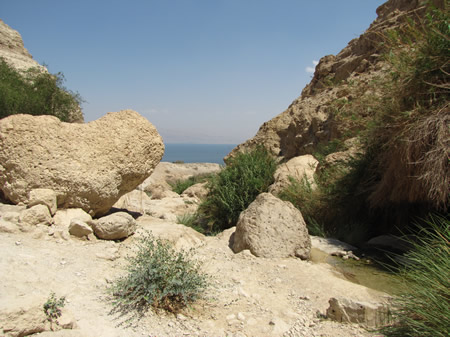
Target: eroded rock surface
column 89, row 166
column 270, row 227
column 116, row 226
column 298, row 168
column 310, row 119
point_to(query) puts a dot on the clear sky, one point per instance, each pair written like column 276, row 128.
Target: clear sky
column 202, row 71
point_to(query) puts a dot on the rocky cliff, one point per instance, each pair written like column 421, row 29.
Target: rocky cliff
column 13, row 51
column 345, row 77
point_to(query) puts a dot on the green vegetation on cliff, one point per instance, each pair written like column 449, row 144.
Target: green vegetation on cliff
column 402, row 123
column 35, row 92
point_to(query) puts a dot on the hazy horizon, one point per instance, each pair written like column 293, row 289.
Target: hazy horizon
column 201, row 71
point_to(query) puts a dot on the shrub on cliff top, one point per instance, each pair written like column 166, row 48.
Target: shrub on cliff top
column 36, row 93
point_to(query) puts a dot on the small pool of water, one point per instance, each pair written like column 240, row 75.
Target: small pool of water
column 360, row 272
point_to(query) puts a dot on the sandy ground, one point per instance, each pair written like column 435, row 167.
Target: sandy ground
column 249, row 296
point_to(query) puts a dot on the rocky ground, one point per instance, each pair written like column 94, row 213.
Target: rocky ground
column 249, row 296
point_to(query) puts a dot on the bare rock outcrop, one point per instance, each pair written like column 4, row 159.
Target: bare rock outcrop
column 298, row 168
column 310, row 119
column 270, row 227
column 89, row 166
column 13, row 50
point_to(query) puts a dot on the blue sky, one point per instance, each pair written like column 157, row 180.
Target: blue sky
column 202, row 71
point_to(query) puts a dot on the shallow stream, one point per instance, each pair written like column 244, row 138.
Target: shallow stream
column 364, row 272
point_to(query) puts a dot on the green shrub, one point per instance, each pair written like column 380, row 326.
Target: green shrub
column 235, row 187
column 180, row 186
column 52, row 308
column 410, row 133
column 35, row 92
column 337, row 206
column 192, row 220
column 158, row 277
column 423, row 309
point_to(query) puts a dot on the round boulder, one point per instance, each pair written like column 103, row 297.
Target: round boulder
column 270, row 227
column 115, row 226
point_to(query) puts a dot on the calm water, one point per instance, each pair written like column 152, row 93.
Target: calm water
column 197, row 153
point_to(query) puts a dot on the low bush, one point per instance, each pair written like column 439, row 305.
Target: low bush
column 180, row 186
column 53, row 308
column 337, row 206
column 235, row 187
column 35, row 92
column 423, row 308
column 158, row 277
column 192, row 220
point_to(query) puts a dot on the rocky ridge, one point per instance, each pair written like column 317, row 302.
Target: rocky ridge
column 310, row 119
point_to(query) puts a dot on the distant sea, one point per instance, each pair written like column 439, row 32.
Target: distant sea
column 197, row 153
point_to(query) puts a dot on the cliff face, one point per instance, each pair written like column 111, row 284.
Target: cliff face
column 310, row 119
column 13, row 51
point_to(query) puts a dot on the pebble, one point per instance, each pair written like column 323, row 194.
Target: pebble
column 231, row 317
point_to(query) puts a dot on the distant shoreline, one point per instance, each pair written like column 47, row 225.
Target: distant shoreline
column 196, row 153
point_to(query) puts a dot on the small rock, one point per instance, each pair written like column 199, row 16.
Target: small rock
column 79, row 228
column 346, row 310
column 231, row 317
column 35, row 215
column 181, row 317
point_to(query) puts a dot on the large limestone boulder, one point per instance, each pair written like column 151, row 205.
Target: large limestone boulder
column 89, row 166
column 298, row 168
column 270, row 227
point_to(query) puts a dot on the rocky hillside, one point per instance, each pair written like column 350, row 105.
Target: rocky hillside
column 13, row 51
column 310, row 119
